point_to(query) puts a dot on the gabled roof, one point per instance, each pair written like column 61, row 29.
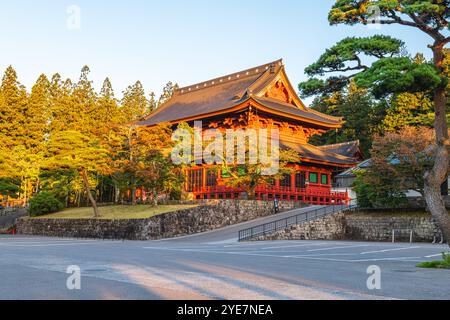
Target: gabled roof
column 234, row 92
column 353, row 171
column 350, row 149
column 315, row 154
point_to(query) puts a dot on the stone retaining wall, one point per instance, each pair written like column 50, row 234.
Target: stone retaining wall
column 373, row 228
column 210, row 215
column 327, row 228
column 419, row 202
column 361, row 227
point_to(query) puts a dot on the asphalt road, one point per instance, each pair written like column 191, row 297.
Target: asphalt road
column 215, row 266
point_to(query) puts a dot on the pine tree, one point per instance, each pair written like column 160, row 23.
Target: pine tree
column 134, row 103
column 12, row 113
column 37, row 114
column 167, row 93
column 152, row 103
column 394, row 73
column 409, row 109
column 85, row 104
column 71, row 150
column 362, row 116
column 61, row 105
column 107, row 109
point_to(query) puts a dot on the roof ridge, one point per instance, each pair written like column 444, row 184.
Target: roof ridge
column 229, row 77
column 330, row 117
column 330, row 152
column 339, row 144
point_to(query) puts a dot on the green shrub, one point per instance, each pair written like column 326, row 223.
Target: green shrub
column 444, row 264
column 446, row 257
column 374, row 192
column 44, row 203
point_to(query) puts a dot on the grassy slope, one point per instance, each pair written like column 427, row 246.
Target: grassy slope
column 116, row 212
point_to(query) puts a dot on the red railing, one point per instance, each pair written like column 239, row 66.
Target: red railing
column 313, row 194
column 12, row 203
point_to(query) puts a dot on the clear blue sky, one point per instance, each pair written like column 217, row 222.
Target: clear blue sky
column 178, row 40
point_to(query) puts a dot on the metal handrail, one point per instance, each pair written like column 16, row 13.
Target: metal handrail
column 282, row 224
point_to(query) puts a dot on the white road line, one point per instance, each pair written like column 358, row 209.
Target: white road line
column 41, row 244
column 311, row 257
column 343, row 247
column 321, row 255
column 21, row 240
column 415, row 259
column 389, row 250
column 434, row 255
column 243, row 245
column 16, row 245
column 295, row 246
column 49, row 241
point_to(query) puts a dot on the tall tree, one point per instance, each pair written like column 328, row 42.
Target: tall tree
column 134, row 103
column 408, row 109
column 107, row 116
column 85, row 104
column 9, row 179
column 61, row 104
column 393, row 73
column 361, row 112
column 403, row 157
column 13, row 103
column 107, row 106
column 152, row 103
column 167, row 93
column 37, row 114
column 144, row 162
column 71, row 150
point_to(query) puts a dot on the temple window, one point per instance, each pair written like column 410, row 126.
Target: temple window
column 313, row 177
column 300, row 180
column 286, row 181
column 211, row 178
column 324, row 178
column 195, row 179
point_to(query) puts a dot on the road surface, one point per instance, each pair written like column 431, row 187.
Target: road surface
column 215, row 266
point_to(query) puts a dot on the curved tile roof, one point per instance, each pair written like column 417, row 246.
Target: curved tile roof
column 349, row 149
column 227, row 92
column 313, row 153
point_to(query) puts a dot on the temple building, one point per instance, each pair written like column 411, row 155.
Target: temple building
column 261, row 97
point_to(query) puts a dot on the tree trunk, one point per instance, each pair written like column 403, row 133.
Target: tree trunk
column 117, row 195
column 78, row 199
column 252, row 193
column 155, row 198
column 433, row 182
column 439, row 173
column 133, row 196
column 25, row 198
column 88, row 191
column 67, row 199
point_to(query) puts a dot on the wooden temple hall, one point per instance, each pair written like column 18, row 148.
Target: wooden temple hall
column 261, row 97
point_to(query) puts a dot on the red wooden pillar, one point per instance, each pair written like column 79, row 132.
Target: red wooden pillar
column 293, row 183
column 186, row 180
column 203, row 181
